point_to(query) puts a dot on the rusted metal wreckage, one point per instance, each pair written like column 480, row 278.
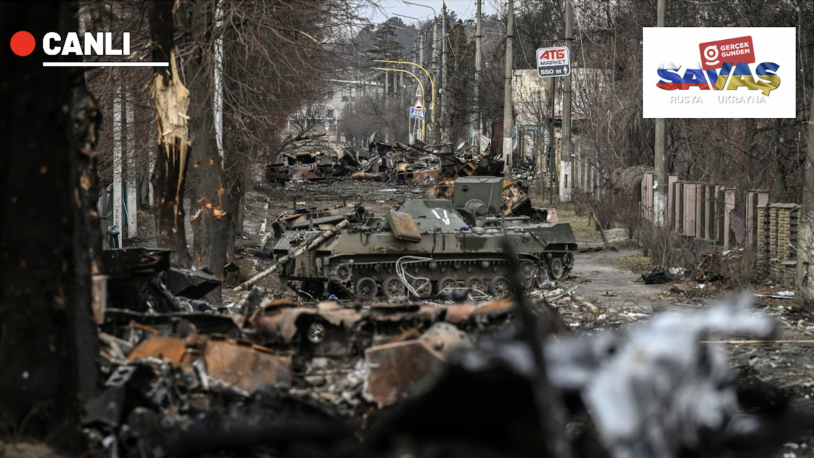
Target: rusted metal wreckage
column 396, row 162
column 259, row 328
column 310, row 217
column 309, row 166
column 187, row 360
column 264, row 374
column 172, row 362
column 313, row 159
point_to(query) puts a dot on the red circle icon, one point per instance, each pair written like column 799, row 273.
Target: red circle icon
column 23, row 43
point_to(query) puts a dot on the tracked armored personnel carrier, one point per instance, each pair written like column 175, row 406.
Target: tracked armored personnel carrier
column 429, row 246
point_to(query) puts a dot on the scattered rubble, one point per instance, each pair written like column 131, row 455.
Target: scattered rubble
column 182, row 377
column 307, row 160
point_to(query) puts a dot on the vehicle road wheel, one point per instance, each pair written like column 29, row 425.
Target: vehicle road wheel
column 342, row 274
column 529, row 271
column 338, row 291
column 446, row 283
column 393, row 287
column 366, row 288
column 315, row 289
column 423, row 286
column 568, row 260
column 476, row 284
column 555, row 268
column 500, row 287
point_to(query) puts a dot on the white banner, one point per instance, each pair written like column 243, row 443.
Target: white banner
column 726, row 72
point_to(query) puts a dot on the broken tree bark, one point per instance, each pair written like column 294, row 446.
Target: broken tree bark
column 297, row 253
column 212, row 220
column 49, row 236
column 171, row 100
column 805, row 252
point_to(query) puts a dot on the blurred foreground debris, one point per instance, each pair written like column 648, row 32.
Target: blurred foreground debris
column 270, row 377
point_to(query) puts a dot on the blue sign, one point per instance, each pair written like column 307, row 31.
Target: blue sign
column 418, row 114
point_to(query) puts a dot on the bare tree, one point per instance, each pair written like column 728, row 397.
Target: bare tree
column 171, row 100
column 49, row 238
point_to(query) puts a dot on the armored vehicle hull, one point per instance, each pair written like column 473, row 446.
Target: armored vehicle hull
column 431, row 246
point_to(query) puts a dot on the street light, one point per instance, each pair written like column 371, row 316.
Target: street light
column 434, row 57
column 432, row 85
column 424, row 6
column 409, row 17
column 434, row 19
column 423, row 125
column 421, row 33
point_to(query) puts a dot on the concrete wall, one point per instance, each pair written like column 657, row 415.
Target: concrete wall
column 706, row 211
column 776, row 241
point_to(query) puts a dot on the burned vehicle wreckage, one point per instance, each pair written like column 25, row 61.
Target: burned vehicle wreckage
column 424, row 332
column 431, row 246
column 273, row 378
column 398, row 162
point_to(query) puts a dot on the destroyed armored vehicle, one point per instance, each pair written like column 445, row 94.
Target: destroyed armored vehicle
column 304, row 165
column 430, row 246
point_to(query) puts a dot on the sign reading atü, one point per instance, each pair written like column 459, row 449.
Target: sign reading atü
column 553, row 62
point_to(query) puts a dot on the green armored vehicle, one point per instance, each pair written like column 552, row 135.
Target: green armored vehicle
column 429, row 246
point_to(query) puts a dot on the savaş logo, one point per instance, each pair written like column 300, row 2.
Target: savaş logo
column 719, row 72
column 732, row 57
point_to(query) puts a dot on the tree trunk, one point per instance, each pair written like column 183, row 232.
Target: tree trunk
column 212, row 221
column 236, row 164
column 49, row 235
column 778, row 191
column 805, row 242
column 171, row 104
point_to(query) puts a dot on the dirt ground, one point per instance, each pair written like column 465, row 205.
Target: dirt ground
column 609, row 279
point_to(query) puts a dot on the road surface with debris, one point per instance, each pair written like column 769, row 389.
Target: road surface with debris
column 605, row 291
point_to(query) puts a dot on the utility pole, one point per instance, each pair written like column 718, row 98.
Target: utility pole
column 132, row 175
column 117, row 157
column 434, row 65
column 117, row 147
column 414, row 126
column 420, row 47
column 478, row 64
column 552, row 88
column 660, row 197
column 805, row 225
column 567, row 155
column 444, row 115
column 435, row 76
column 507, row 96
column 387, row 57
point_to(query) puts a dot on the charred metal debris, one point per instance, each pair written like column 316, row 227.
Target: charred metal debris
column 265, row 376
column 398, row 163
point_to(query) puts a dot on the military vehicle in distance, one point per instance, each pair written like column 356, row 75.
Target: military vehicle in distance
column 430, row 245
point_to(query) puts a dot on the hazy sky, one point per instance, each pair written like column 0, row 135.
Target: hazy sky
column 463, row 8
